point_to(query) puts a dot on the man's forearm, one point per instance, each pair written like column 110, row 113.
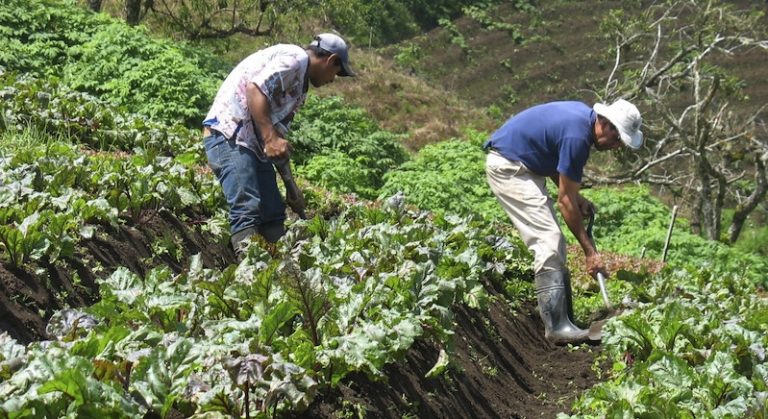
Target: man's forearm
column 260, row 111
column 572, row 216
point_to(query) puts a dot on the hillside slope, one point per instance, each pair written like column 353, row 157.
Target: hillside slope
column 562, row 54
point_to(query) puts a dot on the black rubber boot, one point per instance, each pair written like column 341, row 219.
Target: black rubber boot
column 553, row 307
column 272, row 232
column 569, row 296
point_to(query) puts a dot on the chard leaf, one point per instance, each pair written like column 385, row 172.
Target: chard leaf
column 124, row 285
column 477, row 297
column 278, row 315
column 247, row 369
column 305, row 291
column 441, row 365
column 11, row 355
column 95, row 344
column 162, row 377
column 69, row 323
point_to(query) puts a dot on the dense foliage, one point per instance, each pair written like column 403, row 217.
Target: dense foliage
column 158, row 79
column 54, row 195
column 342, row 148
column 632, row 221
column 52, row 107
column 694, row 348
column 447, row 177
column 337, row 296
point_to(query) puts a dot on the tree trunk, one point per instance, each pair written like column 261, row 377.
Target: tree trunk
column 94, row 5
column 132, row 12
column 703, row 199
column 717, row 210
column 743, row 210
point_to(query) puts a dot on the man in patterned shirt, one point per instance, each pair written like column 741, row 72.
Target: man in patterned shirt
column 553, row 140
column 244, row 132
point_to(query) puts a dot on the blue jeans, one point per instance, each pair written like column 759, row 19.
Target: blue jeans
column 250, row 185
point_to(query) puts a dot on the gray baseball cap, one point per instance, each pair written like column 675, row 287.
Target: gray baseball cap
column 335, row 45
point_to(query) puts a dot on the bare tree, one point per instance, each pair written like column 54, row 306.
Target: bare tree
column 205, row 19
column 132, row 12
column 750, row 202
column 668, row 59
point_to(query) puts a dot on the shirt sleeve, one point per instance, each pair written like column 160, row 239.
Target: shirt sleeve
column 574, row 153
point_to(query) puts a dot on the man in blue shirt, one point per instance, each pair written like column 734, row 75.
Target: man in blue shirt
column 553, row 140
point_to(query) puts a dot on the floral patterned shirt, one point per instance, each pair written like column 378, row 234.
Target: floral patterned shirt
column 280, row 72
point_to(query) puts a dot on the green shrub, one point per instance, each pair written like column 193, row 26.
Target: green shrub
column 36, row 34
column 631, row 219
column 449, row 177
column 339, row 172
column 161, row 80
column 327, row 124
column 343, row 135
column 51, row 107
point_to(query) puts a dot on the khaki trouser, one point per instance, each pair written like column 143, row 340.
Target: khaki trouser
column 524, row 197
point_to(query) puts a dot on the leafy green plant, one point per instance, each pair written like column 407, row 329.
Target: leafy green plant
column 689, row 351
column 408, row 55
column 348, row 294
column 342, row 148
column 37, row 34
column 326, row 124
column 447, row 177
column 339, row 172
column 125, row 66
column 633, row 222
column 24, row 241
column 49, row 106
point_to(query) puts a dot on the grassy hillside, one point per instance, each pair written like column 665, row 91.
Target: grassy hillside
column 476, row 70
column 557, row 52
column 406, row 104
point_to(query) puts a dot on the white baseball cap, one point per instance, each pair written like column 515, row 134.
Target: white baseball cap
column 627, row 120
column 335, row 45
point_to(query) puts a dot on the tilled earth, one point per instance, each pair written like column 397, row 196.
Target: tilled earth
column 504, row 368
column 501, row 365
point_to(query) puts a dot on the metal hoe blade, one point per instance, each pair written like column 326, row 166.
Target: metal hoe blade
column 600, row 276
column 604, row 291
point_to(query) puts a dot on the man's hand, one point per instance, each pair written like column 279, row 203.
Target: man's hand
column 574, row 207
column 277, row 148
column 595, row 264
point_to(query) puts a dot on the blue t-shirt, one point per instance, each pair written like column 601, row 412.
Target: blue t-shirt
column 548, row 139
